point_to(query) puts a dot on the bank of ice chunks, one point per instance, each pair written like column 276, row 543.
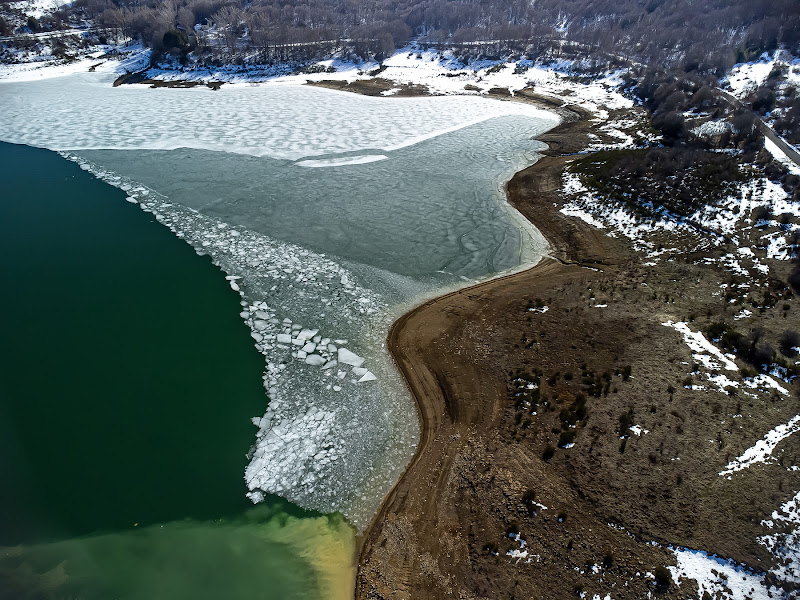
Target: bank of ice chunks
column 305, row 345
column 305, row 443
column 318, row 384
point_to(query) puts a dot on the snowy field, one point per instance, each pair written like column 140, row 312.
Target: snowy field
column 746, row 77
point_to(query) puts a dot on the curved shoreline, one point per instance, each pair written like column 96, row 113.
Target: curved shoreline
column 430, row 393
column 494, row 502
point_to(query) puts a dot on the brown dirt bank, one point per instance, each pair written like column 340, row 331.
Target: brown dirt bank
column 501, row 384
column 140, row 77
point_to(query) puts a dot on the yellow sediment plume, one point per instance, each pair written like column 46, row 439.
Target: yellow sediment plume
column 265, row 553
column 328, row 544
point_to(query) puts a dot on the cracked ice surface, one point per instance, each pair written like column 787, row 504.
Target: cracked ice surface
column 328, row 441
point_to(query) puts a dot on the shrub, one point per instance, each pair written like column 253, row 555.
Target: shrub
column 794, row 279
column 645, row 180
column 625, row 422
column 175, row 38
column 566, row 437
column 548, row 452
column 529, row 500
column 761, row 213
column 663, row 578
column 789, row 340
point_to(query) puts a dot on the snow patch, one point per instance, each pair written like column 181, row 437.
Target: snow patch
column 762, row 450
column 720, row 578
column 702, row 348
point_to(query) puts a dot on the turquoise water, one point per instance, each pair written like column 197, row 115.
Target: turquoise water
column 127, row 384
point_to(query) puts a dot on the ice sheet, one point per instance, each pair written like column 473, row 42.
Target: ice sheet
column 83, row 111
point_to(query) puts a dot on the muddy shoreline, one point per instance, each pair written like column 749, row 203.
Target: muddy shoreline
column 436, row 407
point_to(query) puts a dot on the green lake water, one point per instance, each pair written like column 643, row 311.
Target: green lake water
column 127, row 384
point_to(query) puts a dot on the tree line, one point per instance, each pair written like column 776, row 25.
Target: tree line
column 711, row 35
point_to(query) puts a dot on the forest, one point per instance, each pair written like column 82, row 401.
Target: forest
column 707, row 36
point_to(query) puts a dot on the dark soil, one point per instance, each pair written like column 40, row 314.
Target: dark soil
column 373, row 87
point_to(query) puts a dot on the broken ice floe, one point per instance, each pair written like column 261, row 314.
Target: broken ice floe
column 303, row 309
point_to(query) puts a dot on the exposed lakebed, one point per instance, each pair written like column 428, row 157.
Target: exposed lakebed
column 404, row 202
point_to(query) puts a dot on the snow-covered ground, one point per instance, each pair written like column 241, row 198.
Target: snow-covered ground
column 584, row 204
column 746, row 77
column 37, row 8
column 785, row 544
column 762, row 451
column 781, row 157
column 703, row 351
column 730, row 217
column 721, row 578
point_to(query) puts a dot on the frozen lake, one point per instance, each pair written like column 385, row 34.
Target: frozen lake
column 331, row 214
column 128, row 382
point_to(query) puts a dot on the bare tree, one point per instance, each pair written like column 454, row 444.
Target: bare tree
column 227, row 21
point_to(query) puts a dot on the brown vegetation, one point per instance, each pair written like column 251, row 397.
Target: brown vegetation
column 710, row 36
